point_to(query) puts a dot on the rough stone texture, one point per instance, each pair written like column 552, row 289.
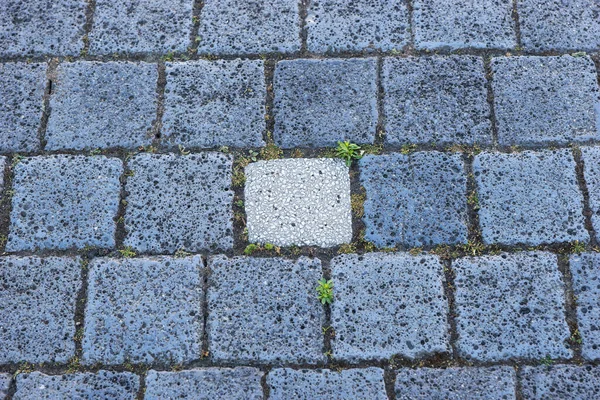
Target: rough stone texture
column 179, row 202
column 5, row 380
column 141, row 26
column 586, row 286
column 559, row 24
column 100, row 105
column 414, row 200
column 388, row 304
column 302, row 202
column 37, row 308
column 36, row 27
column 489, row 383
column 529, row 197
column 456, row 24
column 436, row 100
column 264, row 310
column 21, row 103
column 560, row 382
column 510, row 306
column 591, row 171
column 215, row 103
column 304, row 384
column 350, row 25
column 83, row 385
column 541, row 100
column 241, row 383
column 143, row 310
column 249, row 26
column 319, row 102
column 63, row 202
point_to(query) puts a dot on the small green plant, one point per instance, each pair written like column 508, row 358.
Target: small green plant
column 239, row 203
column 576, row 337
column 253, row 155
column 95, row 152
column 325, row 291
column 269, row 246
column 577, row 247
column 357, row 204
column 270, row 152
column 473, row 200
column 348, row 151
column 181, row 253
column 347, row 248
column 251, row 248
column 170, row 56
column 547, row 361
column 408, row 148
column 127, row 252
column 183, row 150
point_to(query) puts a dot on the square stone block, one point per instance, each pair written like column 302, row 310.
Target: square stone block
column 585, row 269
column 560, row 382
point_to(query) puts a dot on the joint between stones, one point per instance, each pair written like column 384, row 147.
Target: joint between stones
column 79, row 317
column 489, row 76
column 515, row 17
column 269, row 102
column 156, row 130
column 587, row 210
column 204, row 307
column 50, row 77
column 570, row 307
column 6, row 199
column 380, row 129
column 389, row 378
column 449, row 293
column 303, row 13
column 474, row 229
column 327, row 327
column 194, row 34
column 87, row 27
column 120, row 230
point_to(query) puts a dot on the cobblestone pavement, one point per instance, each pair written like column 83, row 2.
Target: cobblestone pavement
column 171, row 197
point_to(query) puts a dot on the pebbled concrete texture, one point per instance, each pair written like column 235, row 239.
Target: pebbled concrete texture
column 241, row 383
column 264, row 310
column 510, row 306
column 102, row 105
column 350, row 25
column 489, row 383
column 529, row 197
column 591, row 172
column 249, row 27
column 37, row 308
column 215, row 103
column 544, row 100
column 437, row 100
column 63, row 202
column 323, row 384
column 304, row 202
column 388, row 304
column 21, row 105
column 560, row 382
column 585, row 269
column 414, row 200
column 179, row 202
column 5, row 380
column 320, row 102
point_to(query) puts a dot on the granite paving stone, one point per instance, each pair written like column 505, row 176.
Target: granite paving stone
column 5, row 380
column 154, row 314
column 414, row 200
column 510, row 306
column 37, row 308
column 529, row 197
column 560, row 382
column 591, row 172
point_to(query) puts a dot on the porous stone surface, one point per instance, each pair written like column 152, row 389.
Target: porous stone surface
column 455, row 24
column 489, row 383
column 304, row 384
column 241, row 383
column 215, row 103
column 141, row 26
column 591, row 171
column 529, row 197
column 414, row 200
column 350, row 25
column 303, row 202
column 388, row 304
column 436, row 100
column 5, row 380
column 21, row 103
column 154, row 314
column 510, row 306
column 541, row 100
column 64, row 201
column 264, row 310
column 249, row 27
column 560, row 382
column 585, row 269
column 101, row 105
column 37, row 308
column 179, row 202
column 319, row 102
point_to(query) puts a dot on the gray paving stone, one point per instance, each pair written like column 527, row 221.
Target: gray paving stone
column 215, row 103
column 388, row 304
column 36, row 27
column 100, row 105
column 305, row 384
column 141, row 26
column 560, row 382
column 154, row 314
column 436, row 100
column 5, row 380
column 319, row 102
column 21, row 105
column 63, row 201
column 510, row 306
column 264, row 310
column 489, row 383
column 179, row 202
column 529, row 197
column 591, row 171
column 83, row 385
column 457, row 24
column 241, row 383
column 350, row 25
column 249, row 27
column 586, row 286
column 540, row 100
column 414, row 200
column 37, row 308
column 303, row 202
